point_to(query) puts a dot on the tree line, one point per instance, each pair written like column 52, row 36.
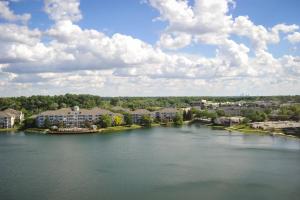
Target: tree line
column 37, row 103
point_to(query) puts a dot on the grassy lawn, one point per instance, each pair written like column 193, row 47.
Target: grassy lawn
column 119, row 128
column 244, row 128
column 36, row 130
column 8, row 129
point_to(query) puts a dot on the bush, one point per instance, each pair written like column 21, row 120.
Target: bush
column 105, row 121
column 146, row 120
column 178, row 119
column 128, row 119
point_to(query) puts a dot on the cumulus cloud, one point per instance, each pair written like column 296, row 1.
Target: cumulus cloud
column 63, row 10
column 81, row 60
column 294, row 38
column 7, row 14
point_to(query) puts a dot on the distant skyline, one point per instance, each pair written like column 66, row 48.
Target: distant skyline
column 150, row 47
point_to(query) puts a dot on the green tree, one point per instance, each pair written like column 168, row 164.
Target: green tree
column 178, row 119
column 114, row 101
column 184, row 115
column 47, row 123
column 53, row 106
column 255, row 116
column 105, row 121
column 220, row 113
column 128, row 119
column 29, row 123
column 146, row 120
column 62, row 105
column 189, row 115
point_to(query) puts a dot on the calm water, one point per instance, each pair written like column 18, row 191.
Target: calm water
column 159, row 163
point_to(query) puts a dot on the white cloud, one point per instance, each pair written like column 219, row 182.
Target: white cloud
column 81, row 60
column 174, row 40
column 63, row 10
column 294, row 38
column 258, row 34
column 9, row 15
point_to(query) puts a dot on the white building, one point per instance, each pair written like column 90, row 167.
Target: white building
column 19, row 115
column 7, row 120
column 9, row 117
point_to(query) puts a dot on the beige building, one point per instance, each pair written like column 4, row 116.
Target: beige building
column 73, row 117
column 163, row 114
column 228, row 121
column 166, row 114
column 139, row 113
column 7, row 120
column 19, row 115
column 9, row 117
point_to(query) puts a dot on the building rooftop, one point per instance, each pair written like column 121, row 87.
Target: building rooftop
column 69, row 111
column 141, row 112
column 168, row 110
column 6, row 114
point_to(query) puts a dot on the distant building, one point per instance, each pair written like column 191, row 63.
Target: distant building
column 139, row 113
column 275, row 125
column 232, row 110
column 9, row 117
column 204, row 104
column 7, row 120
column 166, row 114
column 228, row 121
column 73, row 117
column 19, row 116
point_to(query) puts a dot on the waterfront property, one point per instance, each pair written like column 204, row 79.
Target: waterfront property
column 73, row 117
column 139, row 113
column 228, row 121
column 19, row 115
column 6, row 120
column 269, row 125
column 9, row 117
column 166, row 114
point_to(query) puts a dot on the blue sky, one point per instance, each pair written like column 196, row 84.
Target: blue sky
column 197, row 51
column 135, row 18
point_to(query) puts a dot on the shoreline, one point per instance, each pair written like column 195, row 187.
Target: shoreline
column 238, row 128
column 101, row 130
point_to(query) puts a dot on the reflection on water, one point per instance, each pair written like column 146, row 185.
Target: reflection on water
column 191, row 162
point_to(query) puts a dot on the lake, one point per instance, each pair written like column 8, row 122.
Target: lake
column 190, row 162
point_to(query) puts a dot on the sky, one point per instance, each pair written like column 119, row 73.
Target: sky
column 150, row 47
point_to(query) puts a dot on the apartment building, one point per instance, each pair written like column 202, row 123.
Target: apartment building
column 166, row 114
column 73, row 117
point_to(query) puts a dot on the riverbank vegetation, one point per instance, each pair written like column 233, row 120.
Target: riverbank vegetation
column 36, row 104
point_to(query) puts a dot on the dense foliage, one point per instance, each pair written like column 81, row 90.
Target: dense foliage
column 128, row 119
column 178, row 119
column 146, row 120
column 105, row 121
column 35, row 104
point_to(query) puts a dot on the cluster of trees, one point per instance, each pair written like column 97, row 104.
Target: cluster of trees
column 108, row 121
column 289, row 112
column 254, row 115
column 249, row 114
